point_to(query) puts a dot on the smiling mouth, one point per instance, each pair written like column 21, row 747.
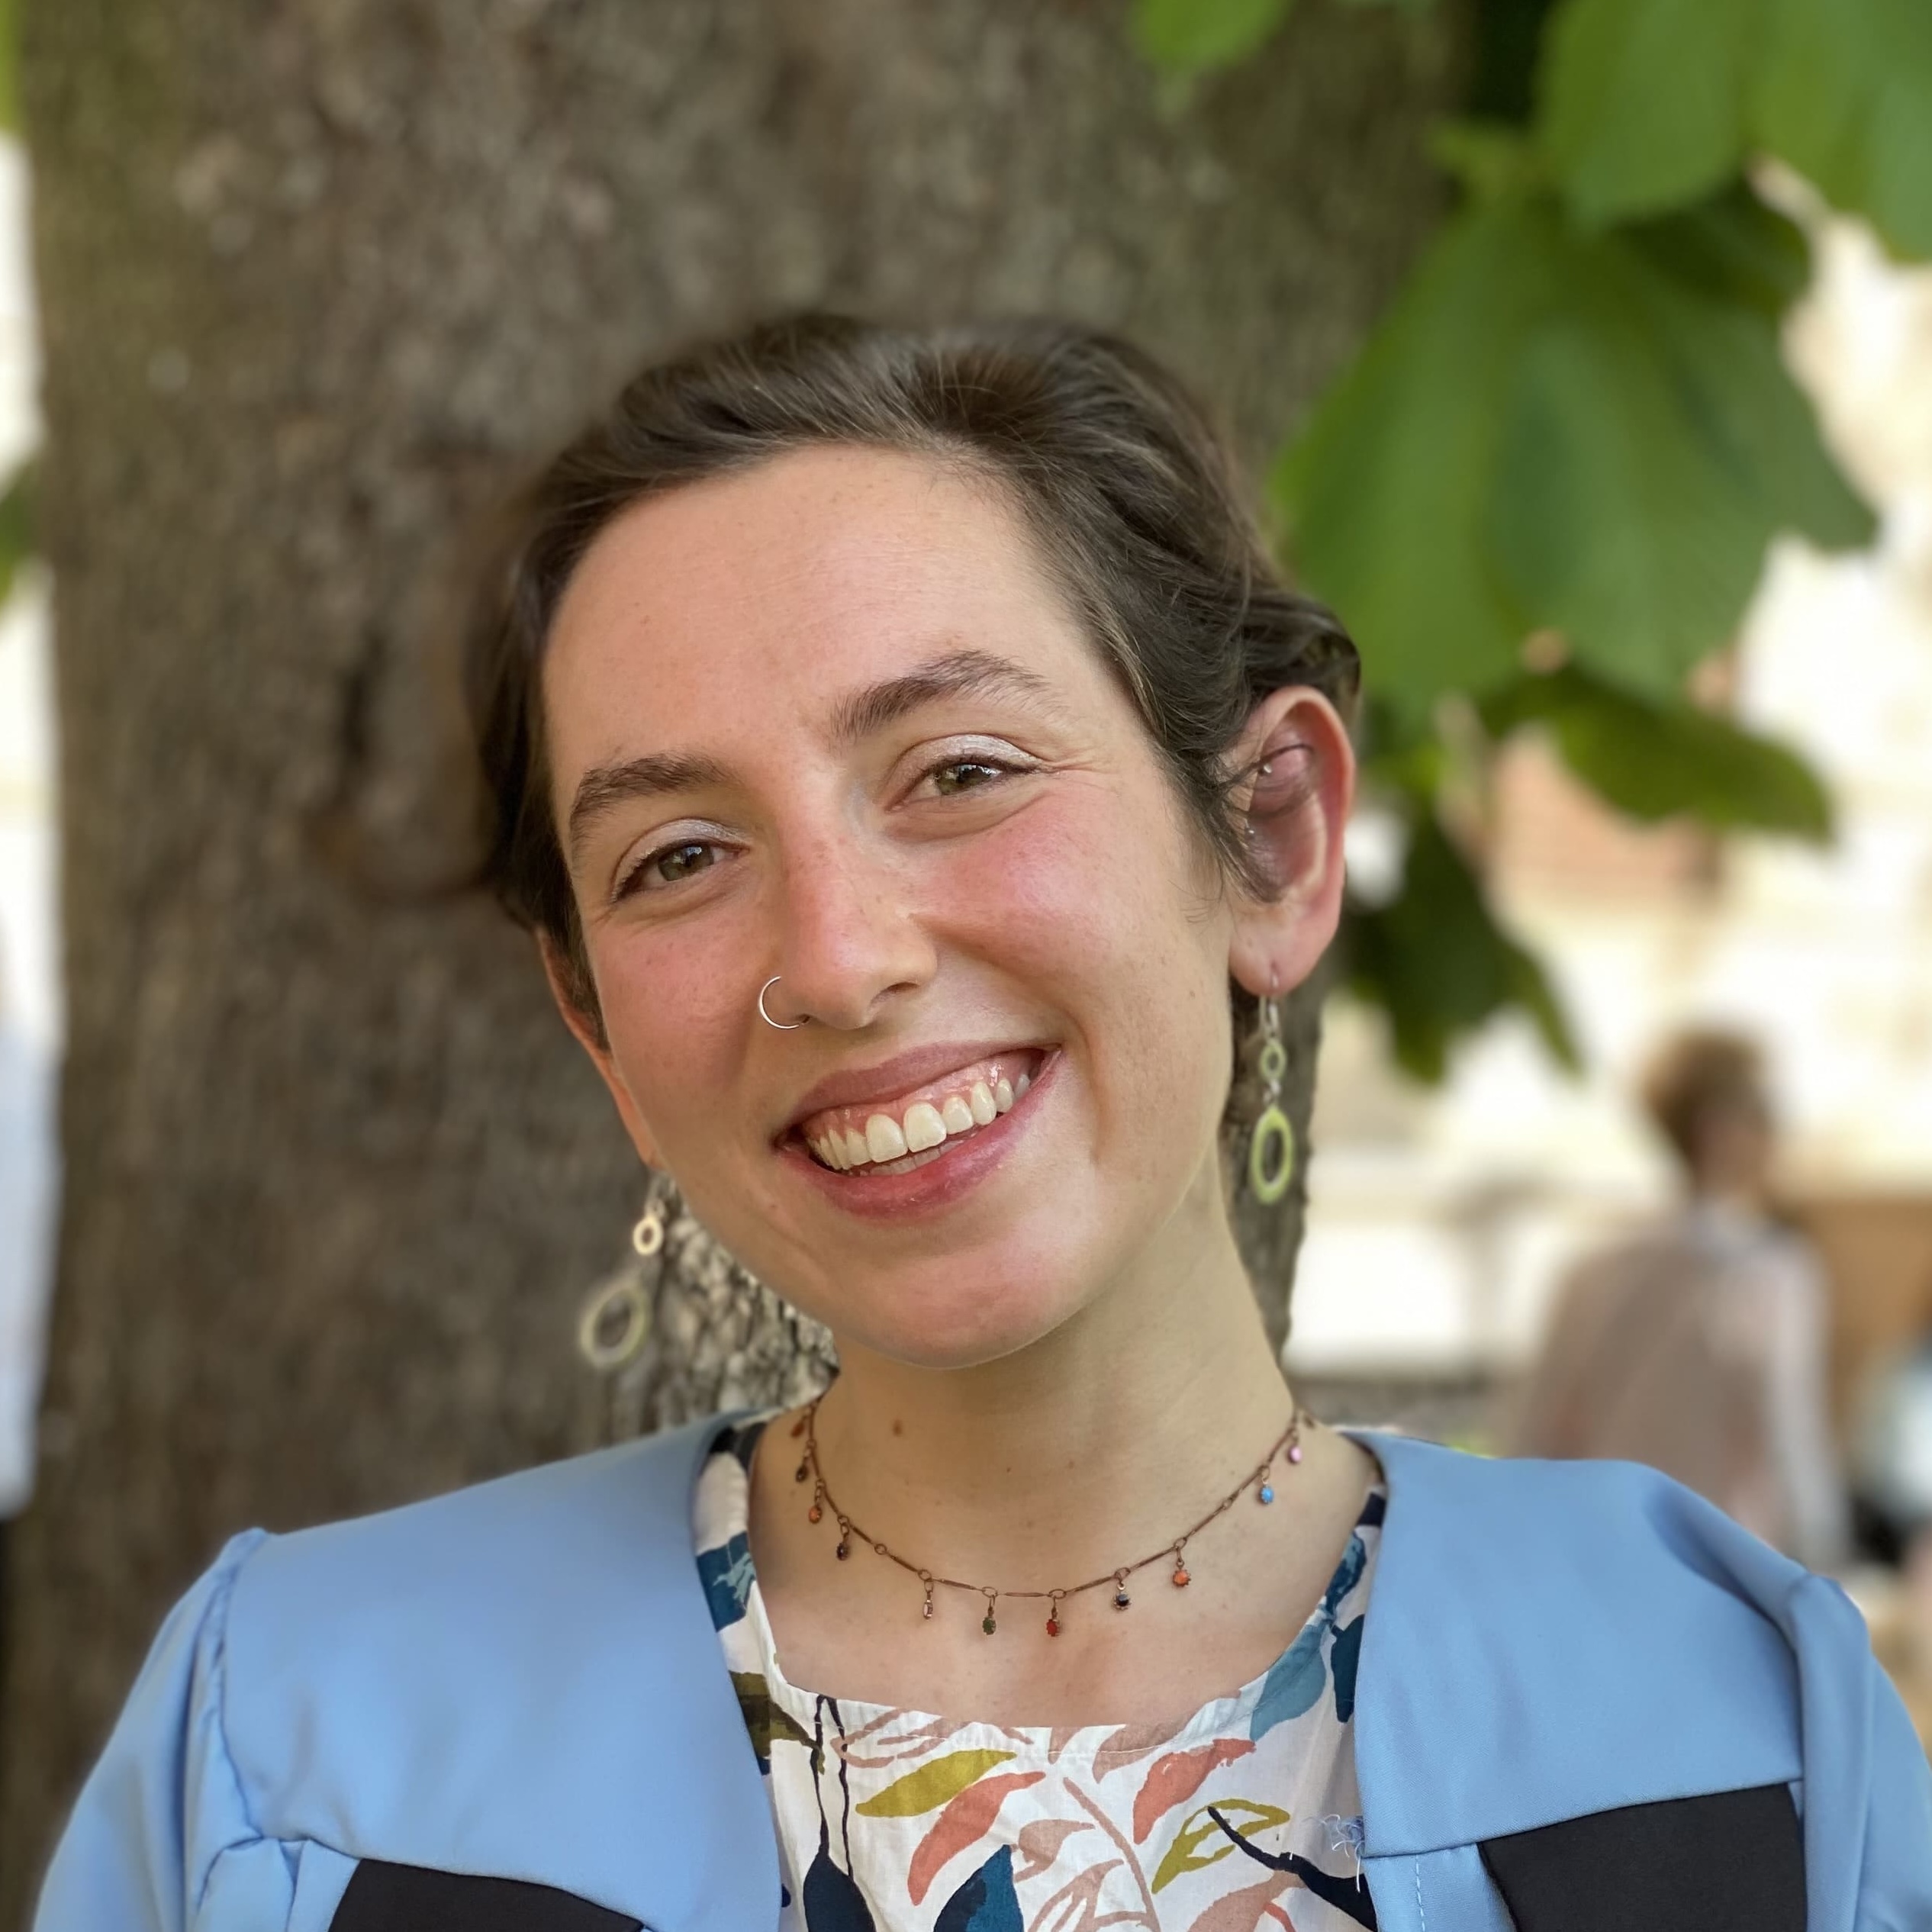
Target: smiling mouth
column 912, row 1129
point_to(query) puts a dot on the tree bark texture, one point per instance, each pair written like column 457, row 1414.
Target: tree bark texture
column 320, row 277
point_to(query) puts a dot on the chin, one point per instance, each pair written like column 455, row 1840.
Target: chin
column 947, row 1325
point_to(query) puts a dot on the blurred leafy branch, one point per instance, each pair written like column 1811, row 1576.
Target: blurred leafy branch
column 1543, row 494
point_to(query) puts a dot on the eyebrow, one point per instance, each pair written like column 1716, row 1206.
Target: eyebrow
column 957, row 674
column 605, row 787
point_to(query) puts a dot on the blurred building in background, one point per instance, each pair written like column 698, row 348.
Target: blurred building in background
column 1441, row 1221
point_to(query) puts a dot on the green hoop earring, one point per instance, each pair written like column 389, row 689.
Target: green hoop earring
column 1271, row 1145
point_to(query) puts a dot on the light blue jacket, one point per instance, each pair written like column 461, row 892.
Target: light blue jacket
column 522, row 1679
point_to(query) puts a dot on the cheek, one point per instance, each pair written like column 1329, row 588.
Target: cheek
column 1098, row 899
column 671, row 1013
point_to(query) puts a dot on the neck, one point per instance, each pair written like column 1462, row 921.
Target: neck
column 1119, row 1429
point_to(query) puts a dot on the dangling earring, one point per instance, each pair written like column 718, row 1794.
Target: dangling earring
column 648, row 1236
column 1271, row 1147
column 615, row 1322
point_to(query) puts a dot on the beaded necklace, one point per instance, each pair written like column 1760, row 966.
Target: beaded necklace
column 1289, row 1445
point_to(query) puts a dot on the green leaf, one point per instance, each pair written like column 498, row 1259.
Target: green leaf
column 1185, row 1854
column 1842, row 90
column 1436, row 962
column 1490, row 160
column 1733, row 248
column 1642, row 101
column 1611, row 524
column 930, row 1785
column 1385, row 493
column 1652, row 443
column 765, row 1721
column 16, row 526
column 1558, row 430
column 9, row 67
column 1194, row 36
column 1655, row 761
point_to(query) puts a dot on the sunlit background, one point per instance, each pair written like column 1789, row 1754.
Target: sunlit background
column 1442, row 1218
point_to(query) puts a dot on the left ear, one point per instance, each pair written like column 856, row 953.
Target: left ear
column 1294, row 800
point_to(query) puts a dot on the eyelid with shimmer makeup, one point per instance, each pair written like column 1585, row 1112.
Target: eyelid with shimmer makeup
column 659, row 841
column 992, row 753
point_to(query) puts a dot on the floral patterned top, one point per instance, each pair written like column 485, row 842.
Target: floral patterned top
column 1243, row 1817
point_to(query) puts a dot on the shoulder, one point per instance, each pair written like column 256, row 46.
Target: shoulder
column 1595, row 1539
column 367, row 1643
column 502, row 1680
column 522, row 1540
column 1594, row 1632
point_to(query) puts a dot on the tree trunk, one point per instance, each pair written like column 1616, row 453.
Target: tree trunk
column 320, row 277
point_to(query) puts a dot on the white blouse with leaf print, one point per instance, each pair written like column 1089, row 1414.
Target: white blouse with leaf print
column 1241, row 1817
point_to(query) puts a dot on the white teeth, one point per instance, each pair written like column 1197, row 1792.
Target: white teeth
column 923, row 1126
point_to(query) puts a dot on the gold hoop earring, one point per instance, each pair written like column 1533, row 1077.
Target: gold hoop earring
column 648, row 1236
column 615, row 1323
column 1271, row 1145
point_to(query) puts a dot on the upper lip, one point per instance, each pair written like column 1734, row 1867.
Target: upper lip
column 887, row 1079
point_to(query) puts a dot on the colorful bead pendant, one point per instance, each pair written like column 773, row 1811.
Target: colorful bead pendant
column 814, row 1515
column 1265, row 1493
column 1294, row 1452
column 987, row 1625
column 801, row 1472
column 843, row 1550
column 1121, row 1599
column 1053, row 1626
column 1181, row 1578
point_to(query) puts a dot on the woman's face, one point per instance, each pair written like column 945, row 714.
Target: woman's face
column 829, row 719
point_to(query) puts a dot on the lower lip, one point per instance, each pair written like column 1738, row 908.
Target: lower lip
column 938, row 1184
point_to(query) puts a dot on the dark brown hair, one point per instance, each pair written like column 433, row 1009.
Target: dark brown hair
column 1127, row 492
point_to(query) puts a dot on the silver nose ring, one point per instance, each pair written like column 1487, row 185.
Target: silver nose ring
column 783, row 1026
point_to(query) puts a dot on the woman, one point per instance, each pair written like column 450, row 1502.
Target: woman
column 923, row 792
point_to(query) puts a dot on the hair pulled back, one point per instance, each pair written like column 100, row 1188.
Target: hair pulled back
column 1130, row 496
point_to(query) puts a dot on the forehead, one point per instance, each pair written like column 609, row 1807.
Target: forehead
column 770, row 592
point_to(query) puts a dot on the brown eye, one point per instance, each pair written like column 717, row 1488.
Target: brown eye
column 964, row 774
column 678, row 862
column 670, row 865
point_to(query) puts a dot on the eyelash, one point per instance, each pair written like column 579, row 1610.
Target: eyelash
column 631, row 880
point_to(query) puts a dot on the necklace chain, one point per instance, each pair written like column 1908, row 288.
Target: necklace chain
column 809, row 1469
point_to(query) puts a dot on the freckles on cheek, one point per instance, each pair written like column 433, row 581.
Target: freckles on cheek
column 1081, row 893
column 670, row 1015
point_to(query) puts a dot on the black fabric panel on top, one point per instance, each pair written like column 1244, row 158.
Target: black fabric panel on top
column 409, row 1898
column 1733, row 1861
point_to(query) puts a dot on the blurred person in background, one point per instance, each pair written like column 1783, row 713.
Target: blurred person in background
column 1698, row 1346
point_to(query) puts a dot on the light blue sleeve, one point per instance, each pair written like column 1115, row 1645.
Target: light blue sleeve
column 164, row 1804
column 1894, row 1883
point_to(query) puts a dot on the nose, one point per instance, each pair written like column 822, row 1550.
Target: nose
column 850, row 935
